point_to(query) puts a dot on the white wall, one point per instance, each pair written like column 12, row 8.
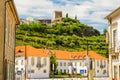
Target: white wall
column 69, row 68
column 116, row 26
column 99, row 71
column 38, row 73
column 19, row 65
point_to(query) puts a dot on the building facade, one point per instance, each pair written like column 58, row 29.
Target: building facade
column 114, row 43
column 75, row 62
column 57, row 17
column 30, row 20
column 8, row 22
column 37, row 63
column 44, row 20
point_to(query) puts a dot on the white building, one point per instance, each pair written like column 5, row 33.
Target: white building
column 37, row 62
column 75, row 62
column 30, row 20
column 114, row 43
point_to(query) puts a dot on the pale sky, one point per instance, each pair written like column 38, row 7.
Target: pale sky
column 90, row 12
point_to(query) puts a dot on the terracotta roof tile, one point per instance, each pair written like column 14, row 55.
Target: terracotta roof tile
column 61, row 55
column 30, row 51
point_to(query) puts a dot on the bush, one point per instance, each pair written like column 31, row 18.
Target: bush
column 60, row 72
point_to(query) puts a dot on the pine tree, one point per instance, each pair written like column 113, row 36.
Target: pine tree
column 67, row 15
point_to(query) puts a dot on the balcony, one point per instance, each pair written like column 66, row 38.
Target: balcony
column 114, row 51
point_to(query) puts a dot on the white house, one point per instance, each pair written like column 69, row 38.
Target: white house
column 37, row 62
column 114, row 43
column 75, row 62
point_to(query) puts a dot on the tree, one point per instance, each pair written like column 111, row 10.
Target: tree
column 67, row 15
column 75, row 17
column 53, row 63
column 104, row 31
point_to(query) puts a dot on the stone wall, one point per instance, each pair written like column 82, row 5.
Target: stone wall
column 2, row 18
column 7, row 39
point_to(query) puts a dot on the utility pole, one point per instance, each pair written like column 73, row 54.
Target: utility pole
column 25, row 61
column 87, row 60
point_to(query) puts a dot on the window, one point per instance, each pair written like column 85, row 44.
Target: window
column 60, row 63
column 32, row 61
column 39, row 60
column 32, row 71
column 44, row 71
column 75, row 64
column 69, row 63
column 97, row 62
column 39, row 63
column 64, row 63
column 101, row 62
column 80, row 64
column 64, row 71
column 114, row 38
column 85, row 71
column 104, row 71
column 97, row 71
column 85, row 64
column 104, row 63
column 21, row 69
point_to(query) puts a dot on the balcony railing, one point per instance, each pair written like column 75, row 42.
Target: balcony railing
column 114, row 51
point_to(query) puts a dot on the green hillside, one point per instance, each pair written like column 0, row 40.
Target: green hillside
column 69, row 34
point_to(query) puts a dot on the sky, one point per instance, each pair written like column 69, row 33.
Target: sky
column 90, row 12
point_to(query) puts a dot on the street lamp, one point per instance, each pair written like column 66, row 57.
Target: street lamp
column 19, row 52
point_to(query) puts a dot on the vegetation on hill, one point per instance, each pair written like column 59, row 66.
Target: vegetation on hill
column 69, row 34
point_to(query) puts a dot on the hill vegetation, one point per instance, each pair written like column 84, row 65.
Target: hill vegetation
column 69, row 34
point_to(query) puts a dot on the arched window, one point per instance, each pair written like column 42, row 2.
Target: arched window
column 39, row 60
column 39, row 63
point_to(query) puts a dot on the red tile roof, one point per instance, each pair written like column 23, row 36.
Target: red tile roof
column 61, row 55
column 31, row 51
